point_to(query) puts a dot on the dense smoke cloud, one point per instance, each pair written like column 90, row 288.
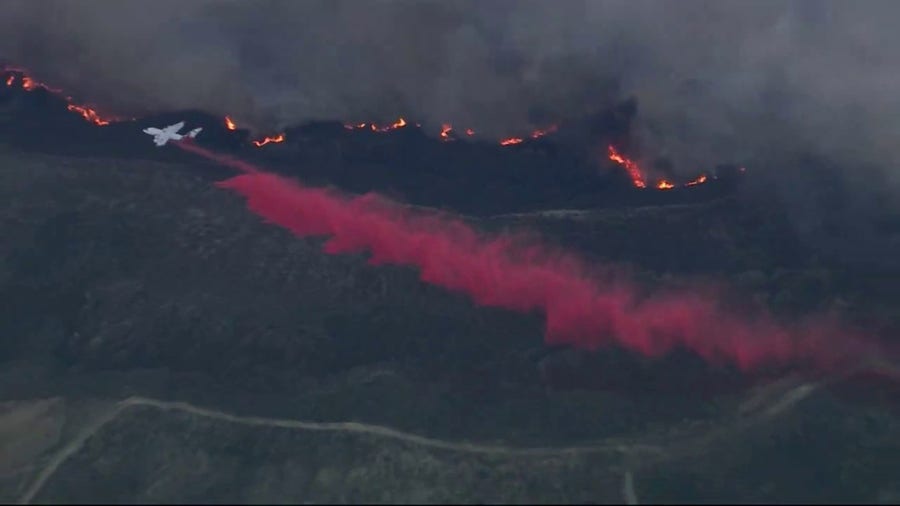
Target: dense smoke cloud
column 715, row 80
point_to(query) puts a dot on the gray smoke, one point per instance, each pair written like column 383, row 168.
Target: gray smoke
column 716, row 80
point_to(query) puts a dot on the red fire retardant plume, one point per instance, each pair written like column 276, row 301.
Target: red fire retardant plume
column 502, row 271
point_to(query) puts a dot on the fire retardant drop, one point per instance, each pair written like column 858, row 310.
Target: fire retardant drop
column 504, row 272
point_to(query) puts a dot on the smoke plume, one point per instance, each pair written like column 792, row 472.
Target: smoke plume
column 716, row 80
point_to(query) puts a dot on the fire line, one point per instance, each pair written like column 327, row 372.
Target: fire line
column 19, row 77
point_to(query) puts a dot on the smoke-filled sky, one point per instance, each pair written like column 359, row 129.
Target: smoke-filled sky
column 716, row 80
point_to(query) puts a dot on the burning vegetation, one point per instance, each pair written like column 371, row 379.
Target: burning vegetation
column 18, row 77
column 639, row 180
column 537, row 134
column 267, row 140
column 634, row 172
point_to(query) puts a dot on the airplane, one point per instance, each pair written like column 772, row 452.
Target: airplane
column 170, row 133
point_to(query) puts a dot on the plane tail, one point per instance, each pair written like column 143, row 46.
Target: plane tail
column 193, row 133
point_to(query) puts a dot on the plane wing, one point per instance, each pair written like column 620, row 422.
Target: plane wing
column 170, row 133
column 173, row 129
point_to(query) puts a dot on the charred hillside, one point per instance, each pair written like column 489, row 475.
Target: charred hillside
column 565, row 166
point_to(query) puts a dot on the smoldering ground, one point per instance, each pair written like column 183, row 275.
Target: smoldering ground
column 767, row 84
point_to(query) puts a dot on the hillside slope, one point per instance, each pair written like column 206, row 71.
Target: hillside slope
column 129, row 278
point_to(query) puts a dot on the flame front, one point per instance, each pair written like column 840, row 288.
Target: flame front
column 664, row 185
column 30, row 84
column 267, row 140
column 88, row 114
column 537, row 134
column 699, row 180
column 27, row 83
column 400, row 123
column 231, row 125
column 634, row 172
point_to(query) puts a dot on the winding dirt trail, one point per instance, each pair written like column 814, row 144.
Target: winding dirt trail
column 118, row 408
column 629, row 450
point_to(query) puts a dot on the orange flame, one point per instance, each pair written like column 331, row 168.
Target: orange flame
column 537, row 134
column 400, row 123
column 637, row 177
column 634, row 172
column 699, row 180
column 88, row 114
column 511, row 141
column 446, row 130
column 278, row 138
column 30, row 84
column 231, row 125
